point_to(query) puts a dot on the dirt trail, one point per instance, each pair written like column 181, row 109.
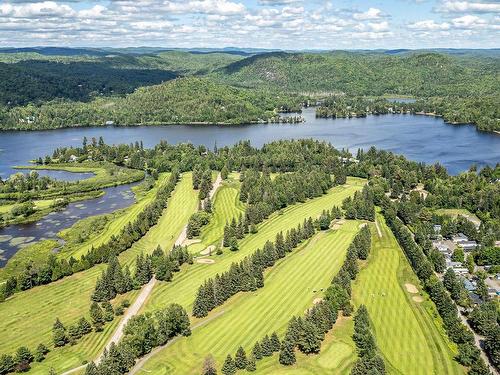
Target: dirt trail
column 145, row 292
column 138, row 366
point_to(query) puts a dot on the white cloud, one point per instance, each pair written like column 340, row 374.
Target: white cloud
column 222, row 7
column 469, row 22
column 429, row 25
column 469, row 7
column 370, row 14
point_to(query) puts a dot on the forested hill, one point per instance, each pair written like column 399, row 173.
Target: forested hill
column 37, row 81
column 461, row 88
column 417, row 74
column 180, row 101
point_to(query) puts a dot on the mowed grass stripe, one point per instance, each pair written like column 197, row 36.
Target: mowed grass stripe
column 405, row 331
column 34, row 311
column 226, row 206
column 247, row 317
column 184, row 285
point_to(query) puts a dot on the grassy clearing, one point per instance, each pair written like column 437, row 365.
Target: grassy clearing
column 35, row 310
column 410, row 338
column 183, row 288
column 290, row 288
column 227, row 205
column 454, row 212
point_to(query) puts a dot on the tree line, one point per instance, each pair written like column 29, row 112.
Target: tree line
column 457, row 332
column 369, row 361
column 142, row 333
column 306, row 334
column 118, row 280
column 56, row 269
column 248, row 274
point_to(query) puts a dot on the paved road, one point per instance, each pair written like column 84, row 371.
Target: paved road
column 478, row 340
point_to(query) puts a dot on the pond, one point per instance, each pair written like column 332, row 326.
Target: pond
column 14, row 237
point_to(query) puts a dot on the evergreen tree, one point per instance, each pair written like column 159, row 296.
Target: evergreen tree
column 267, row 347
column 23, row 358
column 84, row 326
column 108, row 312
column 275, row 342
column 251, row 366
column 287, row 353
column 40, row 352
column 240, row 359
column 229, row 368
column 257, row 351
column 59, row 337
column 96, row 316
column 6, row 364
column 91, row 369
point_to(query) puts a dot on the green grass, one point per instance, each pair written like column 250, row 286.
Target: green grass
column 226, row 206
column 184, row 285
column 290, row 288
column 454, row 212
column 409, row 336
column 27, row 317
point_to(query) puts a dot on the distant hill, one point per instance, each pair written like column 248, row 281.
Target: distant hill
column 415, row 73
column 38, row 81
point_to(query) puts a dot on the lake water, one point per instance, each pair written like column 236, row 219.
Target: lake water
column 14, row 237
column 420, row 138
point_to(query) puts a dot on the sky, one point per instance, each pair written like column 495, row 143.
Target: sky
column 276, row 24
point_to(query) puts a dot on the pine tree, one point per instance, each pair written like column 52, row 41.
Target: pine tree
column 267, row 348
column 240, row 359
column 287, row 353
column 275, row 342
column 73, row 334
column 6, row 364
column 40, row 352
column 257, row 351
column 96, row 316
column 84, row 326
column 108, row 312
column 23, row 359
column 229, row 368
column 59, row 336
column 251, row 366
column 91, row 369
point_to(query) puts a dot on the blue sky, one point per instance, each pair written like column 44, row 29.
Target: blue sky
column 285, row 24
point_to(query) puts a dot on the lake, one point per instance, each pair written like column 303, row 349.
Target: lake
column 421, row 138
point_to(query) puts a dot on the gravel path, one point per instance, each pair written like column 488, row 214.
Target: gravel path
column 145, row 292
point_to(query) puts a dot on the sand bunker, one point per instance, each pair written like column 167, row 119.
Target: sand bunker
column 187, row 242
column 205, row 261
column 336, row 224
column 411, row 288
column 418, row 299
column 209, row 250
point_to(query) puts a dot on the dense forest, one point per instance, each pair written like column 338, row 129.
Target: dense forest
column 180, row 101
column 69, row 90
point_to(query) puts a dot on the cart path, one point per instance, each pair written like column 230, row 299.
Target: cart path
column 145, row 292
